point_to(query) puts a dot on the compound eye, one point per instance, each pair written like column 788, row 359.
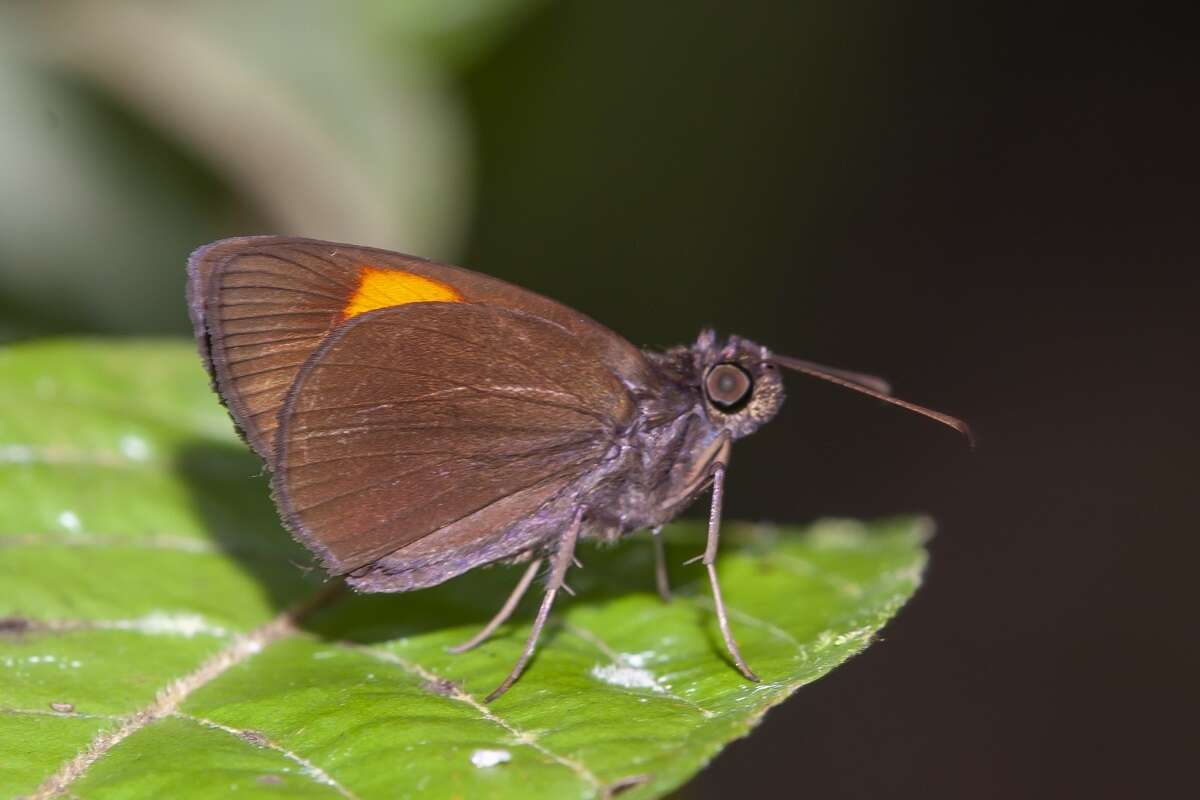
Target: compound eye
column 727, row 385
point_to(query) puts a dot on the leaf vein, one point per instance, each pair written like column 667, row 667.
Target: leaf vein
column 770, row 627
column 806, row 569
column 39, row 712
column 174, row 543
column 170, row 697
column 307, row 767
column 522, row 737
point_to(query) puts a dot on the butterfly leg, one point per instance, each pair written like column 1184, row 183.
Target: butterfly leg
column 562, row 560
column 505, row 611
column 710, row 559
column 660, row 566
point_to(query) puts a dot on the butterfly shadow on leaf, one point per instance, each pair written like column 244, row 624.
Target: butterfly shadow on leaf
column 231, row 494
column 230, row 491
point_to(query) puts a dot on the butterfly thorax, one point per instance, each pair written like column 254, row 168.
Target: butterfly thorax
column 681, row 432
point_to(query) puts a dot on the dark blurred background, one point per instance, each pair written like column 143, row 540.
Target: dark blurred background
column 995, row 207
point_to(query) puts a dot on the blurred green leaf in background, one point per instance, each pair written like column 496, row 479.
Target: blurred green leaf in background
column 131, row 132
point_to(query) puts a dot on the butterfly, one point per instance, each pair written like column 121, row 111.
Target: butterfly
column 420, row 419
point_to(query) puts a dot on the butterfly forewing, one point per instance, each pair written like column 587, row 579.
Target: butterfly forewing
column 262, row 305
column 439, row 417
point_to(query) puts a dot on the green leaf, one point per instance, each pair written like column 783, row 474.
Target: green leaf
column 161, row 636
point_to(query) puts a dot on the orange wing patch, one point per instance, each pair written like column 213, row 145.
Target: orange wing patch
column 383, row 288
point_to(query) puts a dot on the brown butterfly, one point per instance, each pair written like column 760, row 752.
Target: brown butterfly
column 421, row 419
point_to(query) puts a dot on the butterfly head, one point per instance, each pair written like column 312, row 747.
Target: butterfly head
column 742, row 389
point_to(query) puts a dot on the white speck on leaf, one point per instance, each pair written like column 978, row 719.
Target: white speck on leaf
column 639, row 659
column 489, row 758
column 16, row 454
column 135, row 448
column 11, row 661
column 627, row 677
column 70, row 521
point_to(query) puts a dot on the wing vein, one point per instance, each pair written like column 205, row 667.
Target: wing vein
column 323, row 275
column 399, row 370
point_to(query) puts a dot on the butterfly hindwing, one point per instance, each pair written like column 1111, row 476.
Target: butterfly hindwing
column 446, row 417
